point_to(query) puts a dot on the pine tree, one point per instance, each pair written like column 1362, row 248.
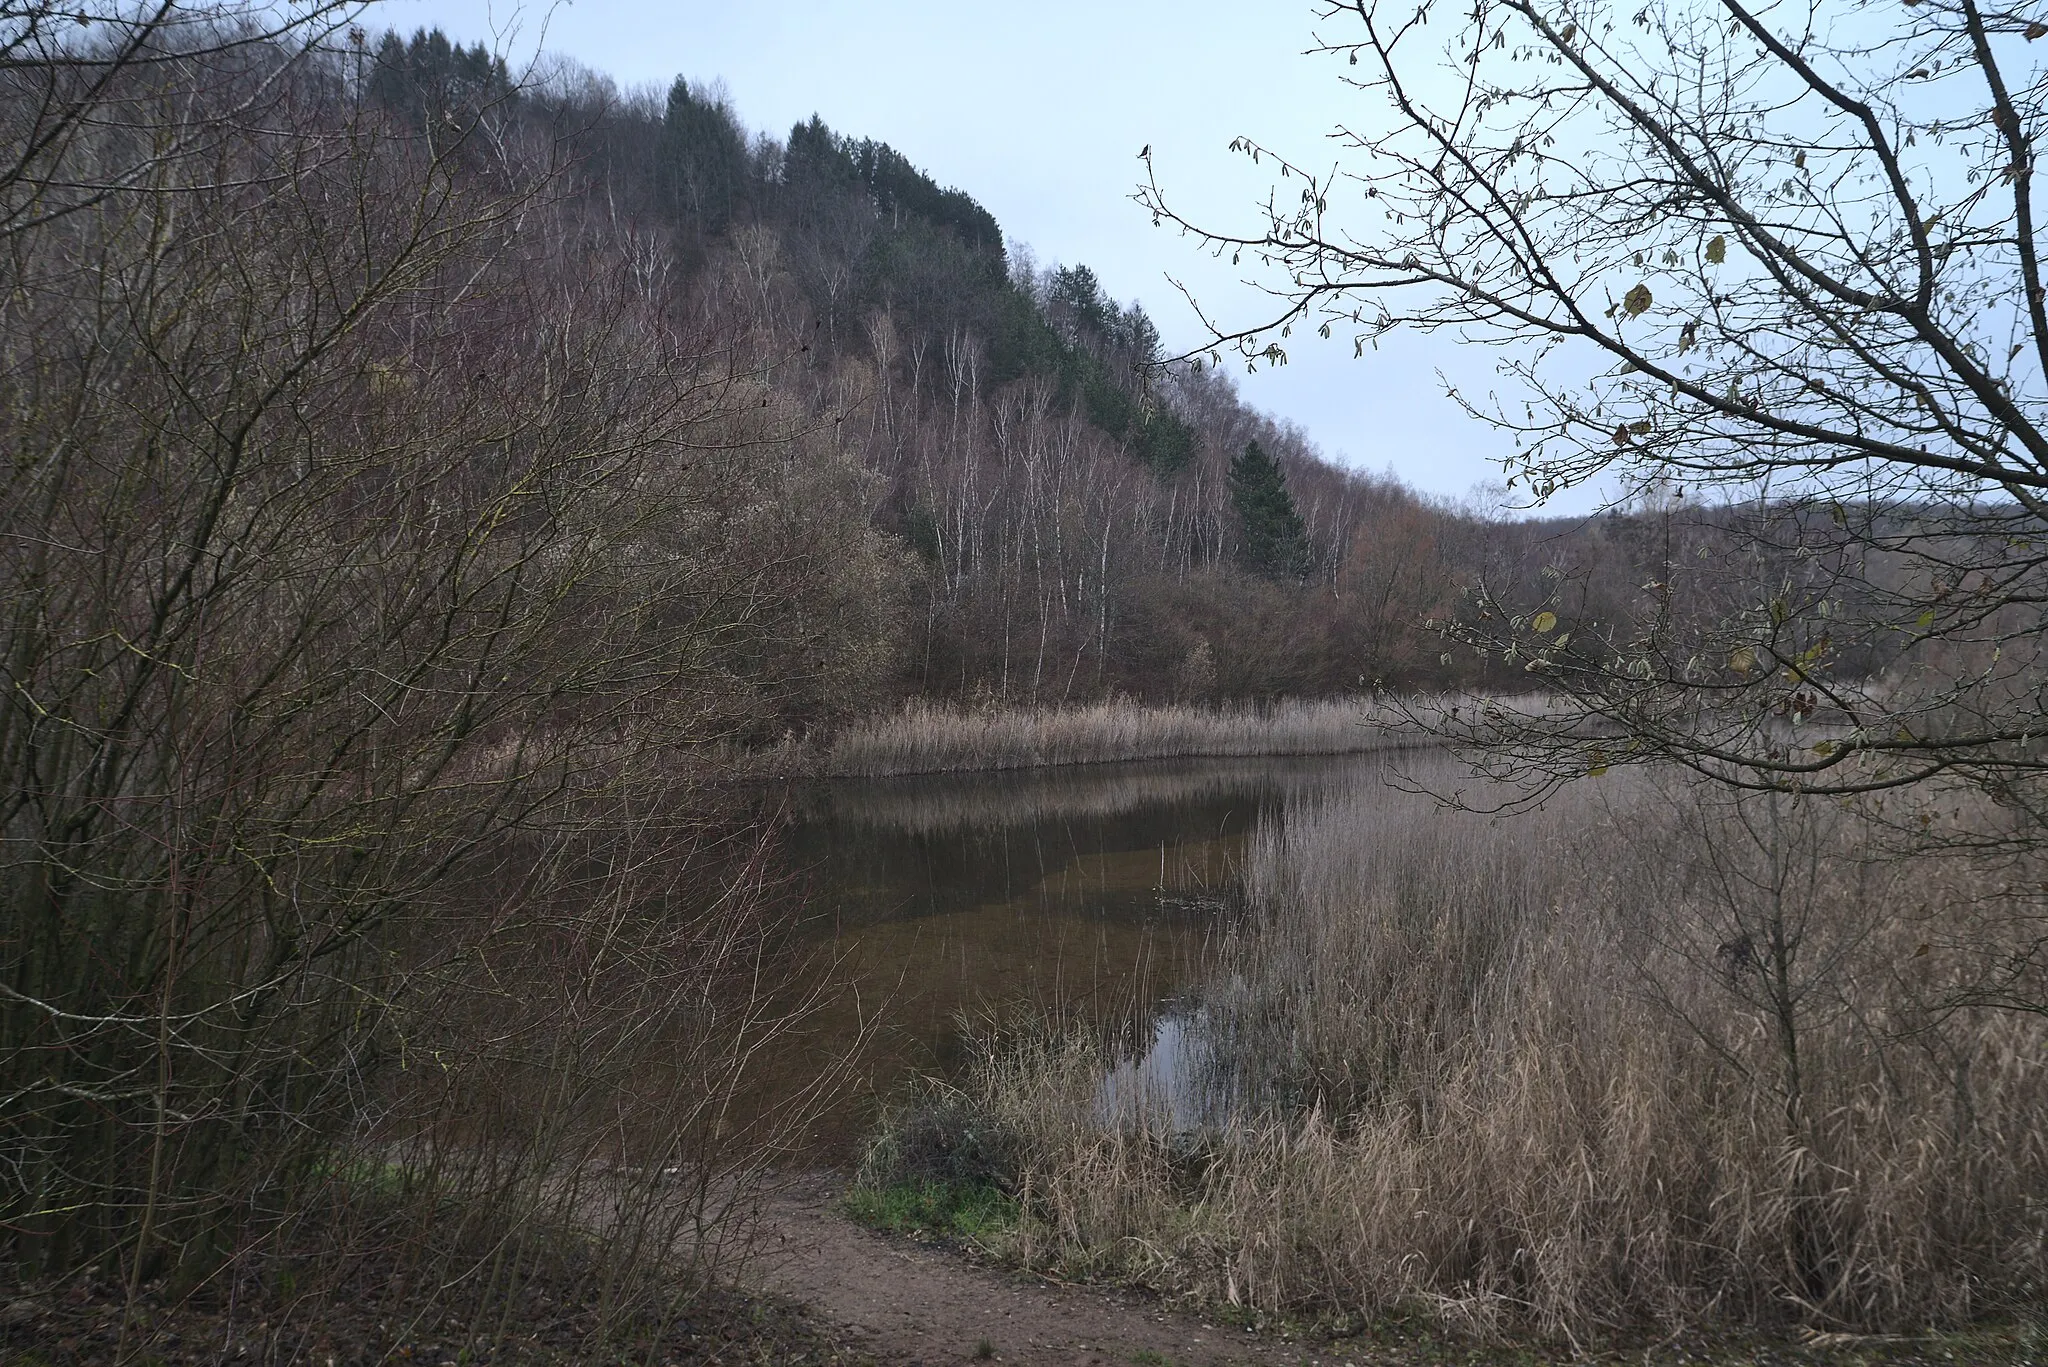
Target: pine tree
column 703, row 165
column 1271, row 537
column 434, row 79
column 815, row 161
column 1075, row 302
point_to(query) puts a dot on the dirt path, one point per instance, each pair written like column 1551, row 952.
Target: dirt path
column 911, row 1304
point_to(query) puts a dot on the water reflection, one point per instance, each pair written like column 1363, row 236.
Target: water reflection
column 1084, row 892
column 1174, row 1081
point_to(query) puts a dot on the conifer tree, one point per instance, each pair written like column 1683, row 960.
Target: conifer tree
column 816, row 161
column 1271, row 538
column 435, row 79
column 703, row 165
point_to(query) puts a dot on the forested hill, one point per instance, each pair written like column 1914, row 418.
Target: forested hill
column 1072, row 518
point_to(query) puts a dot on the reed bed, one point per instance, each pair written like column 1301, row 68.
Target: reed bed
column 1645, row 1059
column 925, row 738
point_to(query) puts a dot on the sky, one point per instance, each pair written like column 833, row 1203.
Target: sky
column 1039, row 111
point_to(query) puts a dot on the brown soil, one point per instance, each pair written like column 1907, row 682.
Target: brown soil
column 911, row 1303
column 374, row 1315
column 824, row 1293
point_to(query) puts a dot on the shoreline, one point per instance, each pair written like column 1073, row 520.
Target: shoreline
column 1419, row 742
column 924, row 739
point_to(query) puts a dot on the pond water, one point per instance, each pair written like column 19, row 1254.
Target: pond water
column 1091, row 891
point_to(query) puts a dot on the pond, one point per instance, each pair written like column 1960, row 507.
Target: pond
column 1092, row 892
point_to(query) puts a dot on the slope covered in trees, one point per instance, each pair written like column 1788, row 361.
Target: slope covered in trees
column 1079, row 518
column 1064, row 499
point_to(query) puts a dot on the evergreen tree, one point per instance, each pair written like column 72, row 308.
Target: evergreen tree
column 1163, row 441
column 899, row 188
column 434, row 79
column 1271, row 537
column 703, row 165
column 1075, row 301
column 815, row 161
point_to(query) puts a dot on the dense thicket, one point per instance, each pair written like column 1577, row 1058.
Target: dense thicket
column 385, row 549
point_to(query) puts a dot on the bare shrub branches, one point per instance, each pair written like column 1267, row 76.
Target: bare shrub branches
column 381, row 553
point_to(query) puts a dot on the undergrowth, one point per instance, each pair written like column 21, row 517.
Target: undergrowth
column 376, row 1277
column 938, row 1165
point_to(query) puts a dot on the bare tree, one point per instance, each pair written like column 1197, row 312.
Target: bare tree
column 86, row 87
column 1779, row 266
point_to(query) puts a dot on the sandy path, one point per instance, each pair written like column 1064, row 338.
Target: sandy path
column 912, row 1304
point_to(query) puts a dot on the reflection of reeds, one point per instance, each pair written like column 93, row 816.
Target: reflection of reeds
column 927, row 739
column 1546, row 1072
column 932, row 803
column 1078, row 893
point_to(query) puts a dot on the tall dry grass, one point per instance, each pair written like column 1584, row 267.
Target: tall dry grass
column 925, row 738
column 1643, row 1059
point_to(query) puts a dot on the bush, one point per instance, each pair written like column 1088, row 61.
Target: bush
column 939, row 1163
column 940, row 1137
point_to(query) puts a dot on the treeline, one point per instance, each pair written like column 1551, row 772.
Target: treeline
column 1078, row 518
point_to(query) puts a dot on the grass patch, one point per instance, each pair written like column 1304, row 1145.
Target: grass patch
column 937, row 1165
column 929, row 1208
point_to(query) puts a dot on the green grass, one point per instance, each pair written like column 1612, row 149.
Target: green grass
column 962, row 1210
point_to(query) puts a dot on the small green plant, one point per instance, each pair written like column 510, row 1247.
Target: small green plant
column 1149, row 1357
column 937, row 1133
column 984, row 1350
column 955, row 1209
column 366, row 1176
column 937, row 1164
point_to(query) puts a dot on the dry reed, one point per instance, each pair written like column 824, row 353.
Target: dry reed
column 924, row 738
column 1638, row 1062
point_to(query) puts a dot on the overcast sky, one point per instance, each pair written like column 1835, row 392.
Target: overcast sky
column 1039, row 111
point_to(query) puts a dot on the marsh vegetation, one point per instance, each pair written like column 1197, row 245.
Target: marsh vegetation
column 926, row 739
column 1647, row 1057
